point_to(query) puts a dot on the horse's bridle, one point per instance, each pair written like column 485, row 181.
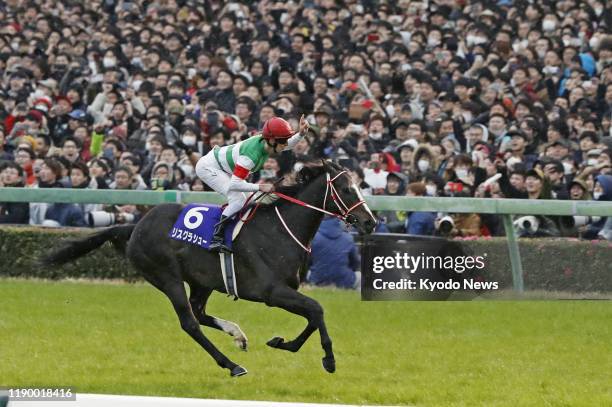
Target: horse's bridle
column 344, row 210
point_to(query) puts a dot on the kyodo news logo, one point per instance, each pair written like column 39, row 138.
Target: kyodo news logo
column 428, row 268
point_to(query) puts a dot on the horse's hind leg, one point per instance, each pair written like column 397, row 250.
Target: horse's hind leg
column 175, row 290
column 198, row 297
column 297, row 303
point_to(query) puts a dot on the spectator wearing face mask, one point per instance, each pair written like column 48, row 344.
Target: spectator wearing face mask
column 592, row 158
column 423, row 161
column 463, row 167
column 377, row 135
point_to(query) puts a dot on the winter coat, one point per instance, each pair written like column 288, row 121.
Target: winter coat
column 334, row 256
column 14, row 212
column 38, row 210
column 594, row 228
column 66, row 214
column 420, row 223
column 424, row 150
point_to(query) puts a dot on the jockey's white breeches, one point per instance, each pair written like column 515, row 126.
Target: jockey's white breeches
column 209, row 171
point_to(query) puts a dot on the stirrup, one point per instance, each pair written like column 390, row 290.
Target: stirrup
column 219, row 247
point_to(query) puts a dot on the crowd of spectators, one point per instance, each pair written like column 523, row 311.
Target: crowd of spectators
column 504, row 98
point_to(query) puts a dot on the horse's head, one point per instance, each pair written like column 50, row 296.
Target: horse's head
column 342, row 197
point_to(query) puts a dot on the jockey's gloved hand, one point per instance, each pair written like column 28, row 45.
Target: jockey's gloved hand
column 187, row 149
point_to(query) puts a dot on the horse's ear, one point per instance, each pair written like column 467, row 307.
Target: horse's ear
column 306, row 173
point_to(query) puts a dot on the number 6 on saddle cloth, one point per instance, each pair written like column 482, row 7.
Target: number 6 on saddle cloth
column 195, row 225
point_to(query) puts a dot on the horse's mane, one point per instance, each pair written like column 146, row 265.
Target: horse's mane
column 309, row 172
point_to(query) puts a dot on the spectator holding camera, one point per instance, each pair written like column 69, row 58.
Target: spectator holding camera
column 537, row 186
column 162, row 177
column 117, row 214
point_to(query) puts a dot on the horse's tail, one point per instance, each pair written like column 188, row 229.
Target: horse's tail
column 75, row 248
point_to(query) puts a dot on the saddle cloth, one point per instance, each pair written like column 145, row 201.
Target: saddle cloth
column 195, row 225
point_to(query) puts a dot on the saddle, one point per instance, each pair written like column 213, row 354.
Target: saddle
column 195, row 225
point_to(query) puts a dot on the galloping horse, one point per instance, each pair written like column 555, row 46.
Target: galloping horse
column 267, row 255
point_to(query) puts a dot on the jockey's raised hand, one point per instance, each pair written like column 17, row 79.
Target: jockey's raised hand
column 304, row 125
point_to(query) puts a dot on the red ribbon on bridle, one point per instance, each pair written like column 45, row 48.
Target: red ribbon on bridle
column 344, row 210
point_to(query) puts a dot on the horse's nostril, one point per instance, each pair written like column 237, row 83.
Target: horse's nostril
column 369, row 224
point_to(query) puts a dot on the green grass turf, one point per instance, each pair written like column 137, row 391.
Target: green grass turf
column 125, row 339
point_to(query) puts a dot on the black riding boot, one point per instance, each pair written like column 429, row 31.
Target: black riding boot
column 217, row 244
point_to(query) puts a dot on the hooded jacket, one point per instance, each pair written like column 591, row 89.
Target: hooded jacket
column 595, row 228
column 422, row 151
column 334, row 256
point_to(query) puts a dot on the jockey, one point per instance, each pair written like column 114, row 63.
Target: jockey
column 226, row 168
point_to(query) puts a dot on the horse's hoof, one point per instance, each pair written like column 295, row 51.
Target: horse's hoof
column 238, row 371
column 275, row 342
column 241, row 343
column 329, row 364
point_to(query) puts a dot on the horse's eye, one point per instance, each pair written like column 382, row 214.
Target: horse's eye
column 346, row 190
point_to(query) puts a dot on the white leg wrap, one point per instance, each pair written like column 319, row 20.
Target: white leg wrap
column 234, row 330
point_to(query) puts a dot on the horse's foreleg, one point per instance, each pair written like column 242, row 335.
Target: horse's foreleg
column 198, row 297
column 297, row 303
column 175, row 290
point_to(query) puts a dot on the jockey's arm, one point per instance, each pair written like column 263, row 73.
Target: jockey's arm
column 193, row 157
column 293, row 140
column 242, row 170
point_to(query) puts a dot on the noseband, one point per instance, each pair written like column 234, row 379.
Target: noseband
column 344, row 212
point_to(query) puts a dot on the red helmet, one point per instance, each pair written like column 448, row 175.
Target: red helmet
column 277, row 128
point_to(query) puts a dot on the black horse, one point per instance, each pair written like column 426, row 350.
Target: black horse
column 267, row 259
